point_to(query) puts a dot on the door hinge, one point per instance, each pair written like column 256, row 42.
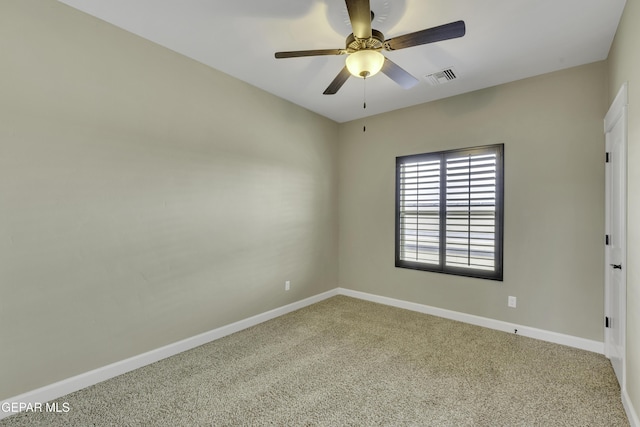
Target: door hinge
column 607, row 322
column 606, row 239
column 607, row 159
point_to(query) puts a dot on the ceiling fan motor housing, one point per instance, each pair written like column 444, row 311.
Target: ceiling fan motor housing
column 375, row 42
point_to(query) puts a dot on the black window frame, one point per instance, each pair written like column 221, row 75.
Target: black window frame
column 442, row 267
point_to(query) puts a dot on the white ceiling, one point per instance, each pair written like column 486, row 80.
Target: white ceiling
column 506, row 40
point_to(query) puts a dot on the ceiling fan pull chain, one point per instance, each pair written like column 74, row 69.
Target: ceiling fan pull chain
column 364, row 97
column 364, row 93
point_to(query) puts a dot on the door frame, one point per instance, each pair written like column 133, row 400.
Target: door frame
column 617, row 114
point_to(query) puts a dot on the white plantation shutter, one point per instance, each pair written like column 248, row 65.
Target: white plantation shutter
column 420, row 211
column 449, row 212
column 471, row 211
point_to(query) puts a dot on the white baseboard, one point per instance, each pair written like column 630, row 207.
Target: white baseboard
column 634, row 421
column 554, row 337
column 78, row 382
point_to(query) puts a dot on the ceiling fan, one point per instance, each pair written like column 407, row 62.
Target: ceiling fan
column 365, row 43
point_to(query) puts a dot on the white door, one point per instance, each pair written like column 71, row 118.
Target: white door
column 616, row 222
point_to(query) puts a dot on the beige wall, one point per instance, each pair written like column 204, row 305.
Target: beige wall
column 551, row 126
column 624, row 66
column 144, row 198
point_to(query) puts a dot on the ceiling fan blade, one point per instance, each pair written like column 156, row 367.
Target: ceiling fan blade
column 301, row 53
column 398, row 74
column 360, row 16
column 443, row 32
column 337, row 83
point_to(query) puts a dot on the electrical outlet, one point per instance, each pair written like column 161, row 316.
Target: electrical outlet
column 511, row 302
column 287, row 285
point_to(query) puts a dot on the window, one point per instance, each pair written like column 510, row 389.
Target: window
column 449, row 211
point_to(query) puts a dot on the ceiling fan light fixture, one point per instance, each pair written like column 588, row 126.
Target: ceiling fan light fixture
column 365, row 63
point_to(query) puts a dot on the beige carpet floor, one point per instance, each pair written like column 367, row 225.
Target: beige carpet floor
column 346, row 362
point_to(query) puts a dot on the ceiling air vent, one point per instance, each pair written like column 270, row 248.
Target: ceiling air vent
column 440, row 77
